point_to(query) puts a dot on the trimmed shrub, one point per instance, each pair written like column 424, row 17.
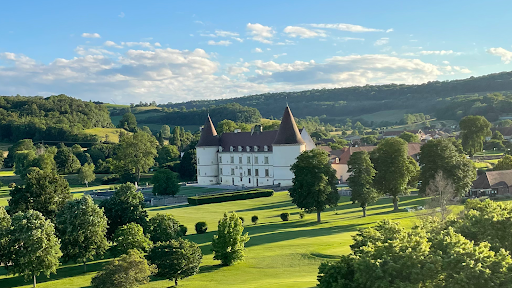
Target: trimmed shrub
column 302, row 214
column 254, row 219
column 183, row 230
column 230, row 196
column 285, row 216
column 242, row 218
column 201, row 227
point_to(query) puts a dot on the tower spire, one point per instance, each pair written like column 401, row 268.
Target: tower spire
column 288, row 132
column 208, row 134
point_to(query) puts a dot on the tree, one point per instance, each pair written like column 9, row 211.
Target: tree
column 504, row 123
column 394, row 170
column 128, row 122
column 497, row 136
column 33, row 246
column 229, row 244
column 165, row 182
column 125, row 206
column 504, row 163
column 5, row 224
column 409, row 137
column 441, row 193
column 128, row 237
column 441, row 155
column 23, row 160
column 81, row 226
column 66, row 161
column 167, row 154
column 188, row 165
column 86, row 174
column 473, row 130
column 129, row 271
column 163, row 228
column 314, row 182
column 361, row 180
column 21, row 145
column 226, row 126
column 176, row 137
column 44, row 191
column 136, row 153
column 176, row 259
column 2, row 158
column 369, row 139
column 165, row 131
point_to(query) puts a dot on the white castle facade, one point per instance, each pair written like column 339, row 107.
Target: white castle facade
column 251, row 159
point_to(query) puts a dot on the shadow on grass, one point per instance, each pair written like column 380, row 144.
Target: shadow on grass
column 276, row 205
column 210, row 268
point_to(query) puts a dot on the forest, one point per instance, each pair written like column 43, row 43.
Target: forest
column 445, row 99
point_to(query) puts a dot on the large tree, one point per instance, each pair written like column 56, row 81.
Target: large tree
column 82, row 227
column 229, row 244
column 409, row 137
column 441, row 155
column 86, row 174
column 473, row 130
column 314, row 182
column 176, row 259
column 165, row 182
column 44, row 191
column 33, row 246
column 129, row 271
column 128, row 122
column 360, row 180
column 165, row 131
column 176, row 137
column 504, row 163
column 188, row 165
column 125, row 206
column 5, row 224
column 394, row 170
column 167, row 154
column 226, row 126
column 130, row 236
column 66, row 161
column 163, row 228
column 136, row 153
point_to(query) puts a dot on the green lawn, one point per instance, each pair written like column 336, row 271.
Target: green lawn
column 489, row 152
column 279, row 254
column 193, row 191
column 113, row 133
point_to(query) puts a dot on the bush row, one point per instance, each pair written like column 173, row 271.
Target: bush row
column 230, row 196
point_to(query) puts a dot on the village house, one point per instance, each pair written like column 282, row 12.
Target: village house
column 492, row 183
column 396, row 133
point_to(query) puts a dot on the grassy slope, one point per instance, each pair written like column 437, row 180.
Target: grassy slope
column 113, row 133
column 279, row 254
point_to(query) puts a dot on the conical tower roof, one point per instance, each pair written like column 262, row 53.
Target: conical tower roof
column 288, row 132
column 208, row 135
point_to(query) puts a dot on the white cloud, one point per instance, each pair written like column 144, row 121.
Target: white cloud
column 381, row 41
column 346, row 27
column 91, row 35
column 439, row 52
column 389, row 30
column 461, row 69
column 234, row 70
column 279, row 55
column 81, row 50
column 294, row 31
column 446, row 62
column 199, row 22
column 257, row 50
column 220, row 43
column 140, row 44
column 157, row 44
column 112, row 44
column 260, row 33
column 349, row 39
column 121, row 15
column 221, row 33
column 506, row 56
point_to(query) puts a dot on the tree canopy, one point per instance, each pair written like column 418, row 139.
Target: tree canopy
column 165, row 182
column 361, row 180
column 136, row 153
column 229, row 244
column 473, row 130
column 128, row 237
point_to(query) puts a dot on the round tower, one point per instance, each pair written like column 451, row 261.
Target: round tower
column 206, row 152
column 286, row 148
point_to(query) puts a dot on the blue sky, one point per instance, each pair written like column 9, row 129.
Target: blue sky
column 173, row 51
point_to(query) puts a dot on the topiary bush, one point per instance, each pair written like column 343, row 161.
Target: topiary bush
column 183, row 230
column 302, row 214
column 201, row 227
column 254, row 219
column 285, row 216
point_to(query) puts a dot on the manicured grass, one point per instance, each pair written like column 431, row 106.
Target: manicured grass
column 279, row 254
column 482, row 165
column 113, row 133
column 490, row 152
column 7, row 173
column 193, row 191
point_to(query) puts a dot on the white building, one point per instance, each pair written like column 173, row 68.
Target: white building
column 250, row 159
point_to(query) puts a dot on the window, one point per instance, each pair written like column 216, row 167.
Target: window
column 240, row 160
column 248, row 148
column 232, row 159
column 197, row 161
column 220, row 148
column 265, row 148
column 266, row 160
column 220, row 171
column 231, row 148
column 256, row 172
column 256, row 160
column 266, row 173
column 220, row 179
column 232, row 171
column 239, row 148
column 249, row 180
column 248, row 159
column 255, row 148
column 248, row 172
column 198, row 172
column 220, row 159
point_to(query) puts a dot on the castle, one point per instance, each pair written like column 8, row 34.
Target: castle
column 251, row 159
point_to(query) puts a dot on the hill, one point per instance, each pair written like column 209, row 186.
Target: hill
column 443, row 99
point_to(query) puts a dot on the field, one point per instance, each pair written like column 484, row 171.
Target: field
column 388, row 115
column 279, row 254
column 113, row 133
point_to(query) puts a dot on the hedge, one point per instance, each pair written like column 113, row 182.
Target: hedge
column 230, row 196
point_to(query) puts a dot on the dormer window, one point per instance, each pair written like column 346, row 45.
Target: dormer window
column 255, row 148
column 220, row 148
column 265, row 148
column 248, row 148
column 231, row 148
column 240, row 149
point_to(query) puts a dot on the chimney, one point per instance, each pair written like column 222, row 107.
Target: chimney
column 238, row 130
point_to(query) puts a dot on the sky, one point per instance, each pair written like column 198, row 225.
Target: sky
column 173, row 51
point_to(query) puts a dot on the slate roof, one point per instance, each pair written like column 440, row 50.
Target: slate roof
column 493, row 179
column 208, row 135
column 288, row 132
column 244, row 139
column 505, row 131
